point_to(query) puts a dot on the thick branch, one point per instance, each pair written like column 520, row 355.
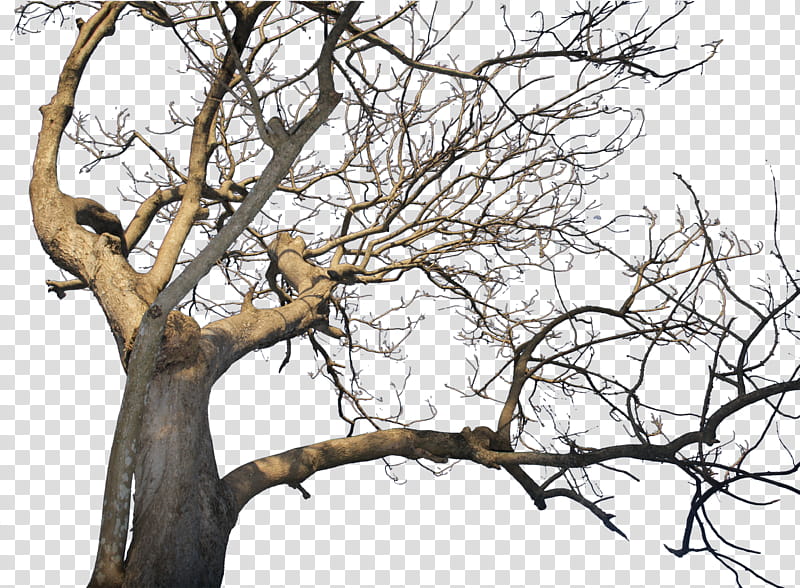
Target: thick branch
column 253, row 328
column 58, row 112
column 92, row 257
column 53, row 211
column 296, row 465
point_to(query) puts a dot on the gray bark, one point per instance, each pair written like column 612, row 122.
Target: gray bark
column 183, row 513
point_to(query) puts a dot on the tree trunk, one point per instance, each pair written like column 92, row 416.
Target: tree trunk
column 183, row 513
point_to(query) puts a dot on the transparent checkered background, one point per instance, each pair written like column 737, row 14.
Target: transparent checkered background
column 724, row 131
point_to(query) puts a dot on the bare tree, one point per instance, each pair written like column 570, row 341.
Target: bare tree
column 446, row 170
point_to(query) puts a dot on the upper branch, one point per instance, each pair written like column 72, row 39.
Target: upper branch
column 93, row 258
column 57, row 113
column 200, row 153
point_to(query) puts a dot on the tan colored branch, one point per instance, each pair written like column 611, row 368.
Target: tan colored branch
column 253, row 328
column 161, row 272
column 296, row 465
column 57, row 113
column 287, row 254
column 147, row 212
column 61, row 287
column 53, row 211
column 93, row 257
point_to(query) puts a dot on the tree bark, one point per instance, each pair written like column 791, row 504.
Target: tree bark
column 183, row 513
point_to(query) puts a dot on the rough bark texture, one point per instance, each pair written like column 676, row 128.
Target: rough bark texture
column 183, row 513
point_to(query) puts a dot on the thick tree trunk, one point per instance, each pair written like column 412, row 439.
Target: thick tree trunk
column 183, row 513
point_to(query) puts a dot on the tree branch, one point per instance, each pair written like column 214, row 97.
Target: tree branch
column 199, row 155
column 235, row 336
column 92, row 257
column 296, row 465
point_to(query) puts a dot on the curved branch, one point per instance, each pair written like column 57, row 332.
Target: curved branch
column 147, row 212
column 523, row 356
column 148, row 209
column 54, row 214
column 235, row 336
column 57, row 113
column 94, row 258
column 253, row 328
column 296, row 465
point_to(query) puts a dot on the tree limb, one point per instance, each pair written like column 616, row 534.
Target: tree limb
column 199, row 155
column 296, row 465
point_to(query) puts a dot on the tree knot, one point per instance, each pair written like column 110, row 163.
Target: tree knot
column 480, row 442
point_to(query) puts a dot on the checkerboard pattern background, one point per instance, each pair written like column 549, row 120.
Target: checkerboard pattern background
column 380, row 524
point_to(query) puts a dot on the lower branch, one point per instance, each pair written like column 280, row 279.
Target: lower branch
column 296, row 465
